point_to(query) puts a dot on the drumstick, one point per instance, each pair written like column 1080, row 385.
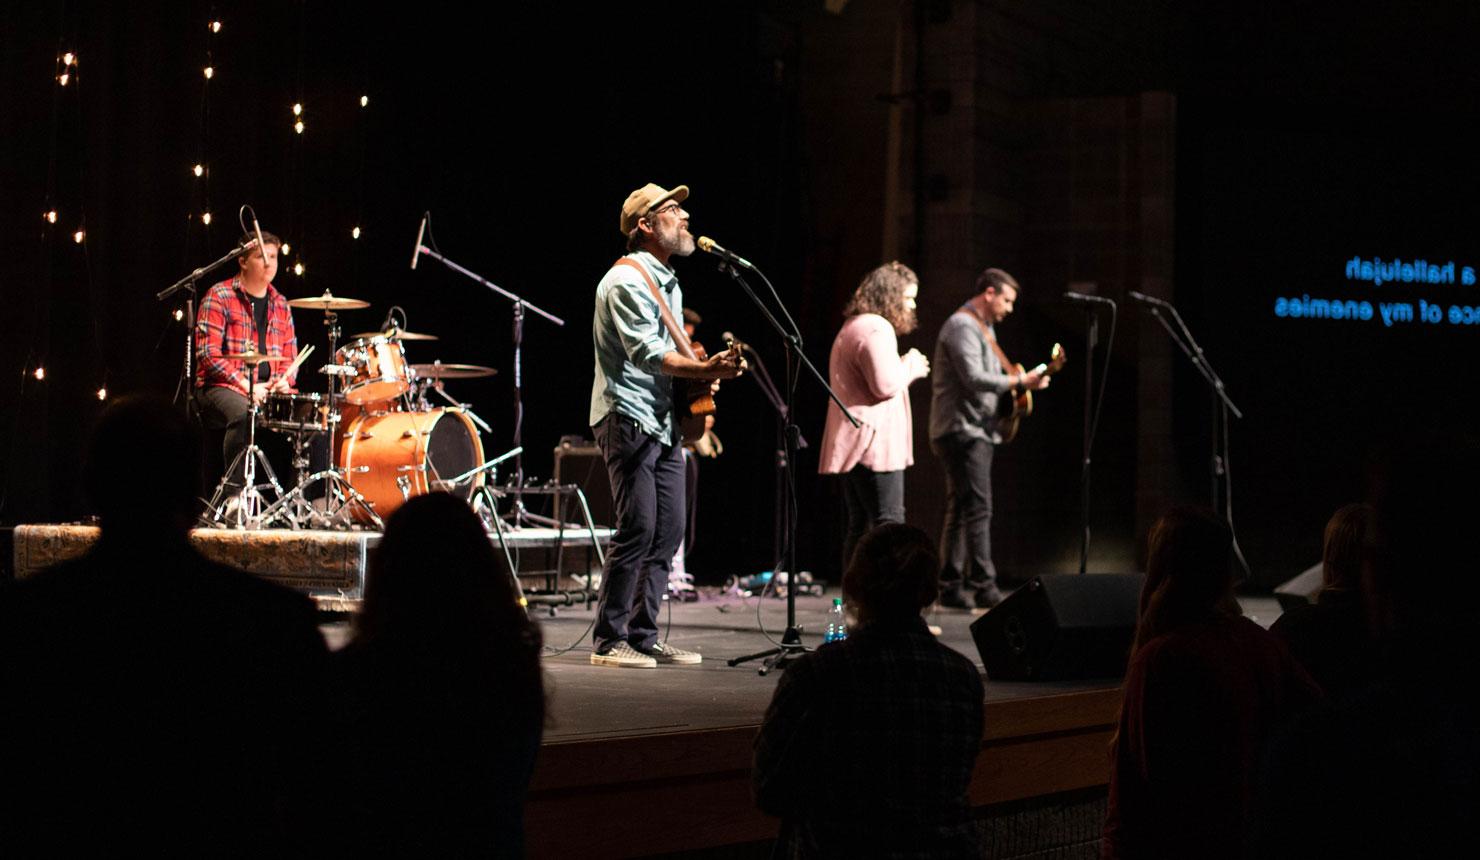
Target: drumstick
column 297, row 363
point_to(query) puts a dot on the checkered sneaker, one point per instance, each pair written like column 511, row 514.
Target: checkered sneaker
column 665, row 653
column 623, row 656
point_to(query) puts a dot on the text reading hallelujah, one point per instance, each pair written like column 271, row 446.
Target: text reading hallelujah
column 1377, row 272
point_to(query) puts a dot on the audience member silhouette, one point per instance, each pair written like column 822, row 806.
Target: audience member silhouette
column 156, row 703
column 1329, row 638
column 1204, row 690
column 868, row 745
column 1393, row 769
column 441, row 691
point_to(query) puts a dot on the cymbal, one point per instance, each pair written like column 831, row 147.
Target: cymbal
column 328, row 302
column 255, row 358
column 395, row 333
column 452, row 371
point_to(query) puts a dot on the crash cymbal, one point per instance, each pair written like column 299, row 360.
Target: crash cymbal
column 255, row 358
column 452, row 371
column 395, row 333
column 328, row 302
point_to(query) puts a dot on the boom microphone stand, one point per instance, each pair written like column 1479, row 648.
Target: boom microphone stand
column 187, row 284
column 1222, row 479
column 790, row 646
column 519, row 515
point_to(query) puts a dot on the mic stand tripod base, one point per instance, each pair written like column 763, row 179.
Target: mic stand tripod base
column 791, row 647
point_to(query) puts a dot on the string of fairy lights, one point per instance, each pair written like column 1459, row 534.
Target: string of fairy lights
column 64, row 215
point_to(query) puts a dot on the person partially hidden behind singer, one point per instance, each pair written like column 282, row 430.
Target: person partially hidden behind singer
column 636, row 423
column 241, row 313
column 971, row 375
column 872, row 379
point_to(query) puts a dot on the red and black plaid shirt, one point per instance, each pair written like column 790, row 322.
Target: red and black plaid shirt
column 225, row 325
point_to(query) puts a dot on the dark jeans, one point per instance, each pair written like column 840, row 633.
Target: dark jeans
column 869, row 499
column 647, row 479
column 966, row 539
column 225, row 415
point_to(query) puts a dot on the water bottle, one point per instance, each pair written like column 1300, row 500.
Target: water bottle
column 837, row 626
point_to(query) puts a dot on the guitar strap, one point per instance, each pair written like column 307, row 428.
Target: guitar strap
column 680, row 340
column 1007, row 365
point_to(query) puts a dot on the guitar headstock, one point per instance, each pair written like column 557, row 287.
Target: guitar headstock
column 1056, row 359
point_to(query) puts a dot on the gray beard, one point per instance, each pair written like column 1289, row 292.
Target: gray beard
column 680, row 244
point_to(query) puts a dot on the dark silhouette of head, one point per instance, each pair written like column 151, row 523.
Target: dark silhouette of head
column 1189, row 573
column 1420, row 579
column 142, row 469
column 436, row 595
column 1344, row 548
column 894, row 573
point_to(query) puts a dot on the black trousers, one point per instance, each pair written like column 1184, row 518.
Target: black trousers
column 870, row 498
column 226, row 415
column 966, row 539
column 647, row 478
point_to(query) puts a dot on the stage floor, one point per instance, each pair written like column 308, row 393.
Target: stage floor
column 678, row 738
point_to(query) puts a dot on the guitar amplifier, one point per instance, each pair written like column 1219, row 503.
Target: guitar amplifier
column 578, row 461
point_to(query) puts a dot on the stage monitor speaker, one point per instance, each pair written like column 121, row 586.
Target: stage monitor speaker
column 1061, row 627
column 1300, row 590
column 578, row 461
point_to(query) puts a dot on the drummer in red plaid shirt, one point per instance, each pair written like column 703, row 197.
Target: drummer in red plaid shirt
column 245, row 312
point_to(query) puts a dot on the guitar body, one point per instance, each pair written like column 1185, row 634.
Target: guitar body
column 1021, row 399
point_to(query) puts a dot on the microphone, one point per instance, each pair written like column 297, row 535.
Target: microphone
column 1148, row 300
column 261, row 249
column 1084, row 298
column 709, row 246
column 420, row 231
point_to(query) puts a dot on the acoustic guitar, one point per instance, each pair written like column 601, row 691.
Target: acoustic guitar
column 1022, row 399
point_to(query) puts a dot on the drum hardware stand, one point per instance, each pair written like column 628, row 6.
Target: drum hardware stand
column 466, row 409
column 518, row 516
column 338, row 493
column 249, row 500
column 790, row 647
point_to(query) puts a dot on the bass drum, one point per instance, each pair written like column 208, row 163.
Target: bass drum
column 389, row 457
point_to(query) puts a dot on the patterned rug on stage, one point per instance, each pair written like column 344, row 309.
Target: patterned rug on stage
column 321, row 563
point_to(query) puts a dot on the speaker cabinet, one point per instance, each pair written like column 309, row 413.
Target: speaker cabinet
column 1061, row 627
column 578, row 461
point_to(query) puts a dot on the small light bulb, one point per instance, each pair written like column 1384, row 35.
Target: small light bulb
column 298, row 269
column 50, row 216
column 179, row 315
column 215, row 26
column 364, row 101
column 210, row 72
column 287, row 249
column 103, row 393
column 40, row 373
column 298, row 126
column 297, row 109
column 355, row 233
column 205, row 217
column 69, row 58
column 198, row 170
column 79, row 236
column 63, row 78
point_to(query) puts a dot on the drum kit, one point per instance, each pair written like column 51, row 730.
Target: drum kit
column 387, row 440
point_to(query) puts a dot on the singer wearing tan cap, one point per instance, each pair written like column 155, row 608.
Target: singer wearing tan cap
column 633, row 416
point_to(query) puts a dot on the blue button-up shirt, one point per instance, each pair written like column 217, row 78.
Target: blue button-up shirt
column 630, row 341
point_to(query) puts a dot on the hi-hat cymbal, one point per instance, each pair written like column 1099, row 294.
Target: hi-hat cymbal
column 452, row 371
column 328, row 302
column 255, row 358
column 395, row 334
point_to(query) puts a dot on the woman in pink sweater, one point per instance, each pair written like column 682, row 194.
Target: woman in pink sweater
column 872, row 379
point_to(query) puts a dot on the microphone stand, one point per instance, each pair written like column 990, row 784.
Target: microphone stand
column 1222, row 480
column 1091, row 340
column 519, row 515
column 768, row 388
column 790, row 647
column 187, row 284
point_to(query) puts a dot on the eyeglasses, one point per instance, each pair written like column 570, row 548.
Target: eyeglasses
column 671, row 207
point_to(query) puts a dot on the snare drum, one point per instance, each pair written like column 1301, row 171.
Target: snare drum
column 380, row 367
column 389, row 457
column 295, row 412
